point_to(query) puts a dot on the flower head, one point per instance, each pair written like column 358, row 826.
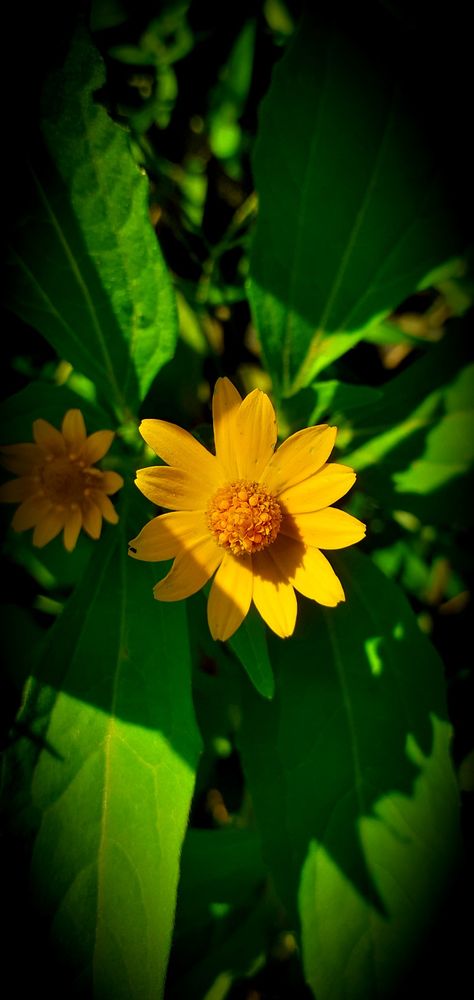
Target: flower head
column 58, row 487
column 255, row 516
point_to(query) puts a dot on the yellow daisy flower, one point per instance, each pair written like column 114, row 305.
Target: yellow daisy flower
column 58, row 488
column 255, row 517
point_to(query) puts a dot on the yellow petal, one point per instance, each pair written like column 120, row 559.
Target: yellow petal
column 191, row 569
column 21, row 458
column 308, row 570
column 91, row 518
column 18, row 490
column 273, row 595
column 30, row 513
column 325, row 529
column 230, row 596
column 111, row 482
column 180, row 449
column 72, row 528
column 49, row 526
column 225, row 406
column 300, row 456
column 321, row 490
column 105, row 506
column 48, row 437
column 96, row 446
column 255, row 435
column 173, row 488
column 167, row 535
column 74, row 430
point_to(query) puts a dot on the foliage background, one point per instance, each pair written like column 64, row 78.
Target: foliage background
column 391, row 365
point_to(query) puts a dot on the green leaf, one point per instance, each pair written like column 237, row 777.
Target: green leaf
column 113, row 786
column 86, row 268
column 351, row 212
column 414, row 449
column 349, row 768
column 332, row 400
column 249, row 644
column 217, row 866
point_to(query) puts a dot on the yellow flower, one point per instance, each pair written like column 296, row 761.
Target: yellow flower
column 257, row 516
column 58, row 487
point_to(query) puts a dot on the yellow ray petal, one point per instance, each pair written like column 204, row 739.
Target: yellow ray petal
column 72, row 528
column 225, row 406
column 21, row 458
column 173, row 488
column 300, row 456
column 91, row 518
column 167, row 535
column 273, row 595
column 49, row 526
column 320, row 490
column 230, row 596
column 255, row 435
column 308, row 570
column 96, row 446
column 48, row 437
column 325, row 529
column 191, row 569
column 105, row 506
column 18, row 490
column 111, row 482
column 74, row 430
column 181, row 450
column 30, row 513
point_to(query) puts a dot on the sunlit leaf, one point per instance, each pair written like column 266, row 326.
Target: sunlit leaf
column 327, row 401
column 414, row 449
column 351, row 212
column 113, row 785
column 349, row 769
column 86, row 268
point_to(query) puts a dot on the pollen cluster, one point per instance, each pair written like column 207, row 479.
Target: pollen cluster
column 244, row 517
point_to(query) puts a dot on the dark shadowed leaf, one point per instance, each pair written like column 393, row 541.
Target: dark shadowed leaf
column 49, row 401
column 351, row 211
column 352, row 784
column 249, row 644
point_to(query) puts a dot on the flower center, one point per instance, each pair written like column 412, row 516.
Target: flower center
column 244, row 517
column 65, row 481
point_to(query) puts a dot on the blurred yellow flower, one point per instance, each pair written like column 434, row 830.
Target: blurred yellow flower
column 58, row 488
column 257, row 516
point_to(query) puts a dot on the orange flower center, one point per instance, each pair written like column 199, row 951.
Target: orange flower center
column 244, row 517
column 65, row 481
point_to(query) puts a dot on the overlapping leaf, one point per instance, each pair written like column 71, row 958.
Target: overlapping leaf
column 86, row 269
column 352, row 785
column 414, row 449
column 351, row 212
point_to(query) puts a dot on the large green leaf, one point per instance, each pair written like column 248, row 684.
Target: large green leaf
column 86, row 268
column 352, row 784
column 351, row 212
column 112, row 786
